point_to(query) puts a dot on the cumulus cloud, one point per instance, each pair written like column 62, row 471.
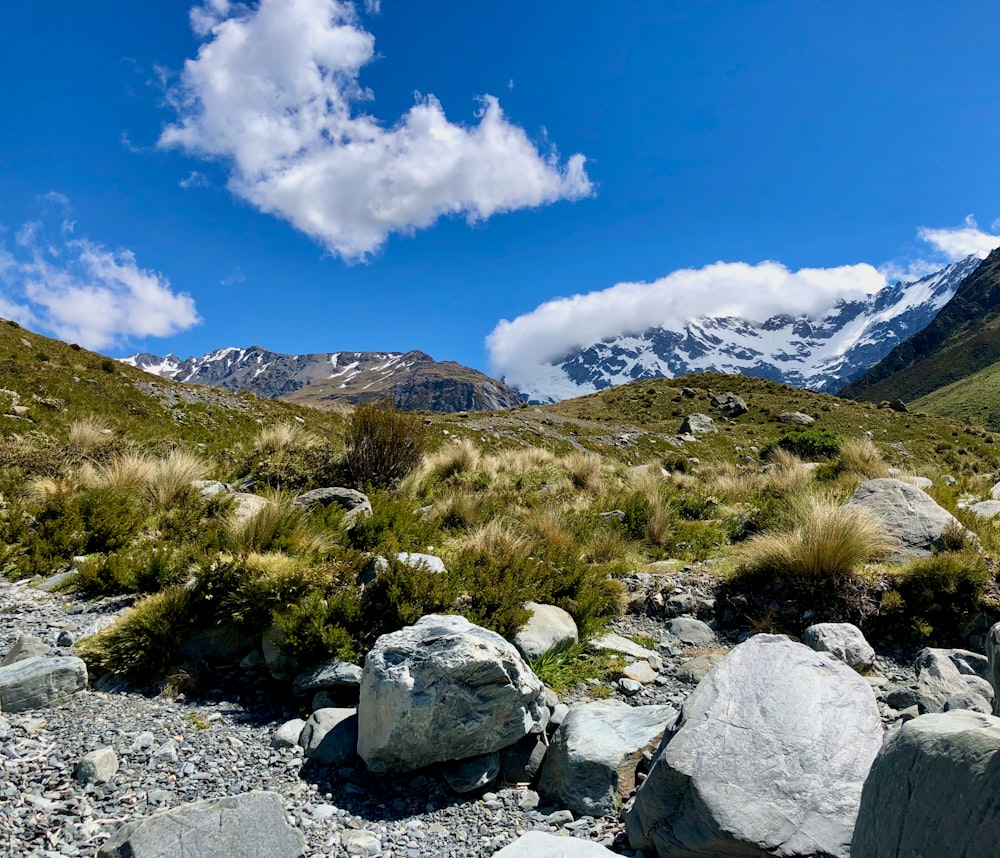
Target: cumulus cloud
column 79, row 290
column 275, row 93
column 958, row 242
column 523, row 350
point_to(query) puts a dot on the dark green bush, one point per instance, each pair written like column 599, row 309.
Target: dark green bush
column 806, row 443
column 401, row 594
column 319, row 626
column 394, row 525
column 382, row 445
column 144, row 568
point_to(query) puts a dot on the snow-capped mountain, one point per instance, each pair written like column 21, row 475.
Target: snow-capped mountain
column 822, row 353
column 414, row 379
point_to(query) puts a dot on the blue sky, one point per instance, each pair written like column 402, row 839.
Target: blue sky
column 312, row 175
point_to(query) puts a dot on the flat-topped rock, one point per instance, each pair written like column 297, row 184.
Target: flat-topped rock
column 40, row 681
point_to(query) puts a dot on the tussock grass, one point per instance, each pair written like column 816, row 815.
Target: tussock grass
column 282, row 437
column 170, row 479
column 88, row 436
column 826, row 539
column 495, row 539
column 273, row 524
column 457, row 510
column 459, row 457
column 56, row 490
column 585, row 470
column 547, row 529
column 863, row 457
column 129, row 472
column 561, row 670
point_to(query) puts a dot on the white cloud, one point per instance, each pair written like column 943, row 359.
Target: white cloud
column 275, row 93
column 961, row 241
column 519, row 348
column 522, row 350
column 195, row 179
column 83, row 292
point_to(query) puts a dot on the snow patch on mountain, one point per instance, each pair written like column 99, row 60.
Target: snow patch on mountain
column 820, row 352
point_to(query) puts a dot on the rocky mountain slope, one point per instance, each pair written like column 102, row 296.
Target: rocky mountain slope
column 414, row 379
column 816, row 353
column 961, row 340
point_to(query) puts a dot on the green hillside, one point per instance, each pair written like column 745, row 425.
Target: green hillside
column 974, row 399
column 963, row 339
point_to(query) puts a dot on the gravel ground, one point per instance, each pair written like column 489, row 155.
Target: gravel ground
column 218, row 743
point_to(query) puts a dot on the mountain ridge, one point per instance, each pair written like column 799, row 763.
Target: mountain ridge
column 961, row 340
column 817, row 353
column 413, row 379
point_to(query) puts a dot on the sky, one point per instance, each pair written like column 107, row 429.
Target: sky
column 491, row 183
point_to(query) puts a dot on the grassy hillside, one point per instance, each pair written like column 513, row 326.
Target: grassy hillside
column 963, row 339
column 555, row 504
column 974, row 399
column 58, row 384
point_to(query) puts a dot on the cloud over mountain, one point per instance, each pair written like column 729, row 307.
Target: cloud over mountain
column 274, row 93
column 522, row 350
column 83, row 292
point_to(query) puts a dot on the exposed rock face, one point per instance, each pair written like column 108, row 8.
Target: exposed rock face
column 39, row 682
column 591, row 763
column 443, row 689
column 548, row 628
column 728, row 404
column 844, row 640
column 767, row 759
column 941, row 686
column 932, row 790
column 243, row 826
column 911, row 516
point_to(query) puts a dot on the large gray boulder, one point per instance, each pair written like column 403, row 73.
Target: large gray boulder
column 39, row 682
column 26, row 646
column 698, row 424
column 844, row 640
column 251, row 825
column 911, row 516
column 591, row 764
column 548, row 628
column 767, row 759
column 538, row 844
column 728, row 404
column 338, row 678
column 443, row 689
column 933, row 790
column 795, row 418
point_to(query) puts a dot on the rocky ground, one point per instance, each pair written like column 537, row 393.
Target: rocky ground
column 218, row 742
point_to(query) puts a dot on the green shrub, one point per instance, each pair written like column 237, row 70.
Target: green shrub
column 319, row 626
column 938, row 597
column 394, row 525
column 142, row 645
column 806, row 443
column 144, row 568
column 382, row 445
column 401, row 594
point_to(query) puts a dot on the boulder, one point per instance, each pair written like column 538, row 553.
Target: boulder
column 241, row 826
column 767, row 758
column 690, row 631
column 912, row 517
column 39, row 682
column 940, row 685
column 521, row 762
column 932, row 790
column 986, row 509
column 353, row 502
column 697, row 424
column 795, row 418
column 287, row 735
column 995, row 492
column 472, row 773
column 694, row 670
column 414, row 559
column 337, row 678
column 330, row 736
column 616, row 643
column 26, row 646
column 443, row 689
column 548, row 628
column 993, row 657
column 279, row 665
column 640, row 671
column 210, row 488
column 246, row 504
column 728, row 404
column 844, row 640
column 591, row 764
column 539, row 844
column 969, row 663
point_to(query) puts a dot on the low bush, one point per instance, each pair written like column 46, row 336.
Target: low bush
column 382, row 445
column 806, row 443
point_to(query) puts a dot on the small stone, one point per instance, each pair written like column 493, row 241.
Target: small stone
column 629, row 687
column 640, row 671
column 65, row 639
column 287, row 735
column 361, row 842
column 96, row 767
